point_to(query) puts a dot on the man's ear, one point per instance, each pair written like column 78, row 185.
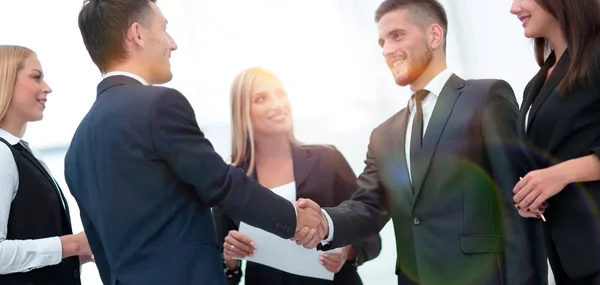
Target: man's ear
column 436, row 37
column 135, row 35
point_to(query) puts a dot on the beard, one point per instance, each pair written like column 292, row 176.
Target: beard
column 413, row 67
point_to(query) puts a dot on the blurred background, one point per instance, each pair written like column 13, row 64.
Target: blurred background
column 325, row 52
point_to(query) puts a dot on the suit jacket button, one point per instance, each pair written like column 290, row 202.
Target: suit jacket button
column 76, row 273
column 416, row 221
column 278, row 225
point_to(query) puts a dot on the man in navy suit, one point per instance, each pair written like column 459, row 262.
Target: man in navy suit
column 142, row 172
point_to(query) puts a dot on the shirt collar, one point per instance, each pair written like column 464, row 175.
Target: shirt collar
column 10, row 138
column 434, row 87
column 128, row 74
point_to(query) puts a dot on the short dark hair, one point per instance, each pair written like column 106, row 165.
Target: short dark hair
column 431, row 10
column 103, row 24
column 580, row 24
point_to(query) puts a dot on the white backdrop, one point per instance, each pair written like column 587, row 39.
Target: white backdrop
column 325, row 52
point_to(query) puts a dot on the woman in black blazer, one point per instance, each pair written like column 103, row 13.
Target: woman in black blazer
column 263, row 145
column 559, row 126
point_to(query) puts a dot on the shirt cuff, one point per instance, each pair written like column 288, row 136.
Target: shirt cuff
column 50, row 250
column 295, row 210
column 330, row 223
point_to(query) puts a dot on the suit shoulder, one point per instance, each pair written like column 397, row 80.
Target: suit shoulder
column 482, row 90
column 323, row 152
column 160, row 93
column 486, row 84
column 169, row 99
column 319, row 149
column 388, row 123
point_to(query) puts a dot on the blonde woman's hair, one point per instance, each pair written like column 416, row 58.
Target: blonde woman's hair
column 242, row 132
column 11, row 61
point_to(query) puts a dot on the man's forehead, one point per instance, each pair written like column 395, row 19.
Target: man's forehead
column 156, row 10
column 393, row 18
column 390, row 23
column 401, row 19
column 395, row 15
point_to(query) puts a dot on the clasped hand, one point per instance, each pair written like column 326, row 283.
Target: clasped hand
column 311, row 225
column 533, row 190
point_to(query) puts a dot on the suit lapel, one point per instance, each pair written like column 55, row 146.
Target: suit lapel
column 303, row 164
column 549, row 86
column 439, row 117
column 398, row 151
column 531, row 92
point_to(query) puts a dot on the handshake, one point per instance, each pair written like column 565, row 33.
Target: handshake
column 311, row 224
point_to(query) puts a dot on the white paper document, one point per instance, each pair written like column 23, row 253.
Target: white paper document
column 285, row 255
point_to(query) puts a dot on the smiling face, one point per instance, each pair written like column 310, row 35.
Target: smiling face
column 30, row 93
column 404, row 46
column 270, row 109
column 536, row 21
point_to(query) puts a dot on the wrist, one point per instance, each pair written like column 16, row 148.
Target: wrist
column 232, row 274
column 352, row 261
column 350, row 255
column 70, row 246
column 562, row 174
column 325, row 225
column 232, row 264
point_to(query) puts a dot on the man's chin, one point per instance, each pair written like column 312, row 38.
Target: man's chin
column 403, row 81
column 165, row 78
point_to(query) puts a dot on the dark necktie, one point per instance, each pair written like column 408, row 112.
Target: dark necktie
column 416, row 139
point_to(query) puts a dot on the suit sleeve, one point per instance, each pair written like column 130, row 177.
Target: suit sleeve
column 366, row 213
column 178, row 139
column 345, row 185
column 499, row 122
column 223, row 224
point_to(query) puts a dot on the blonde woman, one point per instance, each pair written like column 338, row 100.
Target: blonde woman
column 264, row 146
column 37, row 245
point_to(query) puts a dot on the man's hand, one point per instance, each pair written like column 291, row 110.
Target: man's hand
column 312, row 226
column 306, row 227
column 323, row 229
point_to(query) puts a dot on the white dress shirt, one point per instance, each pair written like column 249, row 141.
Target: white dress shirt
column 434, row 87
column 128, row 74
column 527, row 117
column 20, row 255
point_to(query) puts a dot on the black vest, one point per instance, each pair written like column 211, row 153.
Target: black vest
column 37, row 212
